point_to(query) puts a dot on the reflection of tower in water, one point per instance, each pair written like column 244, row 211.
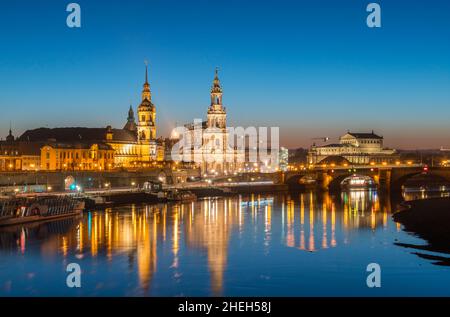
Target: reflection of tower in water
column 106, row 233
column 320, row 214
column 210, row 229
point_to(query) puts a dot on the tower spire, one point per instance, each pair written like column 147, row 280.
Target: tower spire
column 216, row 88
column 146, row 71
column 10, row 137
column 146, row 94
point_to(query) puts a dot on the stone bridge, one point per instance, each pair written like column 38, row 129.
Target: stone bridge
column 390, row 178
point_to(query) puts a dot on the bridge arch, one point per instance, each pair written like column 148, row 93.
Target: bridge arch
column 296, row 180
column 397, row 183
column 336, row 181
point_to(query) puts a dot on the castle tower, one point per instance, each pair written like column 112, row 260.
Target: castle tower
column 146, row 122
column 217, row 116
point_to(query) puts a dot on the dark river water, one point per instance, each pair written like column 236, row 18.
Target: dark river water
column 304, row 244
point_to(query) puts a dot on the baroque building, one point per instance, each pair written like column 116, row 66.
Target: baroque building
column 209, row 147
column 353, row 148
column 77, row 148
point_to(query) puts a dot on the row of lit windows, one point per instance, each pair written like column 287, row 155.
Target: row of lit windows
column 12, row 152
column 370, row 141
column 86, row 154
column 84, row 166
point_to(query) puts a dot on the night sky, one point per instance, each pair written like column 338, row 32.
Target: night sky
column 313, row 68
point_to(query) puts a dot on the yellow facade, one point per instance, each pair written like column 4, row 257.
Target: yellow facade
column 77, row 148
column 61, row 157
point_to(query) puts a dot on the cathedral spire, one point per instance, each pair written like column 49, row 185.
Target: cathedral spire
column 216, row 88
column 146, row 72
column 130, row 114
column 131, row 122
column 216, row 91
column 146, row 94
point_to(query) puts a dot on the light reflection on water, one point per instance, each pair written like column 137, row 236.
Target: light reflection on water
column 243, row 245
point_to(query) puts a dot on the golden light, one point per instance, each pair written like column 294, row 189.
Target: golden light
column 384, row 163
column 397, row 163
column 372, row 163
column 409, row 163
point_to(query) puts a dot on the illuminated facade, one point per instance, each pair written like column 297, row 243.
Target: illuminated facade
column 77, row 157
column 283, row 161
column 133, row 146
column 217, row 156
column 354, row 148
column 18, row 156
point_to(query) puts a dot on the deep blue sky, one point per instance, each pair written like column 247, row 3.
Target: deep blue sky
column 311, row 67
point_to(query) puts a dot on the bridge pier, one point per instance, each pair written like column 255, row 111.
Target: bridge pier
column 384, row 179
column 324, row 180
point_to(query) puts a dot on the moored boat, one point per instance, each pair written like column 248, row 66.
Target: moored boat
column 176, row 195
column 24, row 210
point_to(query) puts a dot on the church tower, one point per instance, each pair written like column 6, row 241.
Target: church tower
column 215, row 137
column 131, row 123
column 217, row 116
column 147, row 122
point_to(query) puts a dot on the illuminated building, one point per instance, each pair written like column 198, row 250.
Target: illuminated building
column 18, row 156
column 71, row 148
column 217, row 156
column 77, row 156
column 283, row 159
column 354, row 148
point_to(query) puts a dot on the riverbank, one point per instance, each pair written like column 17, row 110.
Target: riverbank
column 430, row 220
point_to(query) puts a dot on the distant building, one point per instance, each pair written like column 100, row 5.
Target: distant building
column 19, row 156
column 353, row 148
column 283, row 160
